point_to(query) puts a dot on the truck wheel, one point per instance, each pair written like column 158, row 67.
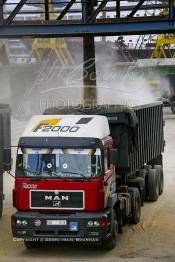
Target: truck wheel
column 110, row 242
column 135, row 205
column 31, row 244
column 153, row 185
column 142, row 173
column 1, row 205
column 173, row 107
column 161, row 178
column 147, row 168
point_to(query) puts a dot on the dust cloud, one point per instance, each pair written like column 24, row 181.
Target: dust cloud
column 31, row 88
column 122, row 84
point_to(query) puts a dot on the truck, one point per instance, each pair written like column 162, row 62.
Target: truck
column 5, row 147
column 82, row 173
column 169, row 98
column 171, row 79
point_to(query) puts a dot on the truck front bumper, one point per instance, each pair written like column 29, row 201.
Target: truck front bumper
column 61, row 227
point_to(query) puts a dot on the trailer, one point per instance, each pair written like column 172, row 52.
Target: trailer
column 84, row 172
column 5, row 147
column 132, row 130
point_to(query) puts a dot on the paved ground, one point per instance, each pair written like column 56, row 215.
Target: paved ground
column 153, row 239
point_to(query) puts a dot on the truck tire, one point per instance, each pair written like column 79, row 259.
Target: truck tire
column 142, row 173
column 135, row 205
column 173, row 107
column 147, row 168
column 110, row 242
column 153, row 185
column 161, row 178
column 31, row 244
column 124, row 217
column 1, row 205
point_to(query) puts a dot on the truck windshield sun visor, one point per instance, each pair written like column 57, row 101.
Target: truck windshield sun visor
column 58, row 163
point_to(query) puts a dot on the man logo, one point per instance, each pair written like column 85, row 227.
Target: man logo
column 56, row 203
column 56, row 198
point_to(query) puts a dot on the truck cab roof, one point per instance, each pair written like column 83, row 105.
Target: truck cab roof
column 91, row 126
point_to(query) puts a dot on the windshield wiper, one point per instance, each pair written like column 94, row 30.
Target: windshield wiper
column 79, row 176
column 33, row 175
column 40, row 178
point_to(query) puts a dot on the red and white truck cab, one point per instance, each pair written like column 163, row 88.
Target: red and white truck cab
column 83, row 175
column 65, row 183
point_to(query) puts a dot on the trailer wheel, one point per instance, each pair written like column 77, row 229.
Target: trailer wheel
column 1, row 205
column 173, row 107
column 135, row 205
column 161, row 178
column 110, row 242
column 31, row 244
column 153, row 185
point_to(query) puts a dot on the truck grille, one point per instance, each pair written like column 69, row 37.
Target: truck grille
column 56, row 199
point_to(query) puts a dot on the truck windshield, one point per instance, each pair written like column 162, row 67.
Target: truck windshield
column 62, row 163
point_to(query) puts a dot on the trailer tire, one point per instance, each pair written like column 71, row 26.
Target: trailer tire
column 153, row 185
column 110, row 242
column 1, row 205
column 124, row 217
column 173, row 107
column 161, row 178
column 31, row 244
column 147, row 167
column 135, row 205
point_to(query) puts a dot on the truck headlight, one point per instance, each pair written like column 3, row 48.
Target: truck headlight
column 96, row 223
column 24, row 222
column 18, row 222
column 93, row 223
column 90, row 223
column 21, row 222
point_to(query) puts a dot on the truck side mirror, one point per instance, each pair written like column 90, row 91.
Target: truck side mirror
column 114, row 156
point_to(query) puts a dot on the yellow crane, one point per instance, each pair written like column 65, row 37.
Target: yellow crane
column 57, row 46
column 163, row 44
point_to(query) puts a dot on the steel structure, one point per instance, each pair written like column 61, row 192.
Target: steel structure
column 94, row 24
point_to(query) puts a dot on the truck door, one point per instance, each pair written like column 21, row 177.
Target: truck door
column 109, row 178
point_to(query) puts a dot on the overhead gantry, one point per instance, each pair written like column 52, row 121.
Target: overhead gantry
column 94, row 23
